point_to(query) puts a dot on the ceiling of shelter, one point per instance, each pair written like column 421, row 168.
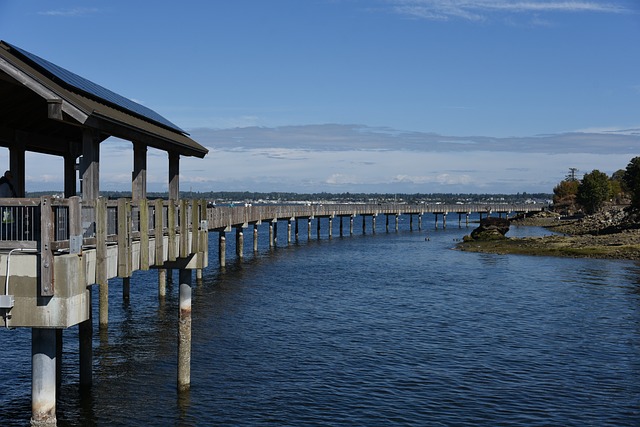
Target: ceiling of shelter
column 24, row 117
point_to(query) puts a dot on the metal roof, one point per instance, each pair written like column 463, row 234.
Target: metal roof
column 93, row 90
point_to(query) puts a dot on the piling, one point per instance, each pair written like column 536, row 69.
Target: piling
column 162, row 283
column 43, row 377
column 309, row 228
column 255, row 237
column 289, row 232
column 351, row 225
column 330, row 227
column 222, row 248
column 184, row 331
column 239, row 242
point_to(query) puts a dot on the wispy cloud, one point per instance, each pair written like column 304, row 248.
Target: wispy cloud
column 79, row 11
column 480, row 10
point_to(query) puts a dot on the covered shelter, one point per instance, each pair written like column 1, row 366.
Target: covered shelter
column 49, row 110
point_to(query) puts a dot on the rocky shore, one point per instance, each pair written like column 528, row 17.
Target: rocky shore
column 612, row 234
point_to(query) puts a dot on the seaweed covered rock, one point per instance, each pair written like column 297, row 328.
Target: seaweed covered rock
column 491, row 229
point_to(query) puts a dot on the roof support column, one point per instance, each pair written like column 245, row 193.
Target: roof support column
column 139, row 178
column 174, row 175
column 90, row 167
column 17, row 162
column 69, row 175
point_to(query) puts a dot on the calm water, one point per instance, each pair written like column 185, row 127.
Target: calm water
column 369, row 330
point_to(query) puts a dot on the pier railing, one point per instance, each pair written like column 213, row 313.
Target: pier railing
column 49, row 226
column 222, row 217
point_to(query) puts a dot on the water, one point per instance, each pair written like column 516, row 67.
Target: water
column 370, row 330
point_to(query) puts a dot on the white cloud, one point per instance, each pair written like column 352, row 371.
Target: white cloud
column 478, row 10
column 78, row 11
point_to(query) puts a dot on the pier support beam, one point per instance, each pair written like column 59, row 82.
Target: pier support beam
column 289, row 232
column 184, row 331
column 162, row 283
column 255, row 237
column 297, row 227
column 341, row 227
column 436, row 215
column 318, row 230
column 444, row 220
column 239, row 242
column 43, row 377
column 351, row 225
column 330, row 227
column 271, row 237
column 420, row 222
column 126, row 288
column 309, row 228
column 386, row 223
column 373, row 224
column 410, row 222
column 222, row 248
column 397, row 222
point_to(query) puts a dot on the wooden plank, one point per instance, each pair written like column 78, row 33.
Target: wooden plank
column 46, row 254
column 158, row 224
column 144, row 234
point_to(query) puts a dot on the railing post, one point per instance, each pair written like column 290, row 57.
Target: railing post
column 143, row 207
column 101, row 260
column 158, row 225
column 184, row 229
column 46, row 254
column 171, row 229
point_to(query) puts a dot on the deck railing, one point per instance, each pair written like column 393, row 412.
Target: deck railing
column 49, row 226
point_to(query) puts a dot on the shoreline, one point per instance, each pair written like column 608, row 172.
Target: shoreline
column 579, row 239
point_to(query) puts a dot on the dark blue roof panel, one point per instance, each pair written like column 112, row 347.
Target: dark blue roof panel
column 94, row 90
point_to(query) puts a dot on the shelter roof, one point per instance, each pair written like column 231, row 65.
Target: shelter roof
column 34, row 91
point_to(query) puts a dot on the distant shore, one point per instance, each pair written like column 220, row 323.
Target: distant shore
column 602, row 237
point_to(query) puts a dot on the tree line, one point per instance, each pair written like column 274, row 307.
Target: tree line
column 596, row 188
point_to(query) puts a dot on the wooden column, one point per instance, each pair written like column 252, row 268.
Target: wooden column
column 174, row 176
column 69, row 175
column 90, row 167
column 17, row 163
column 255, row 237
column 239, row 242
column 139, row 177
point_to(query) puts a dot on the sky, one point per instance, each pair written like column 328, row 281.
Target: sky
column 386, row 96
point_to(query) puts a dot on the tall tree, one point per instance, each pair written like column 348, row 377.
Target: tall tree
column 593, row 191
column 631, row 179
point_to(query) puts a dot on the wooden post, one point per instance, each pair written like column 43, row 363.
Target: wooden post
column 139, row 176
column 309, row 228
column 373, row 224
column 351, row 225
column 143, row 207
column 162, row 283
column 174, row 176
column 46, row 253
column 171, row 229
column 158, row 225
column 184, row 229
column 341, row 227
column 330, row 227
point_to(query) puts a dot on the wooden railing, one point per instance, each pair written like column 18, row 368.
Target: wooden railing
column 49, row 226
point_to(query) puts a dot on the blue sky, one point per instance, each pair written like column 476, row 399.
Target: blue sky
column 356, row 95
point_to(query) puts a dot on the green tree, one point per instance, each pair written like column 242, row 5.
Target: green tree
column 631, row 179
column 593, row 191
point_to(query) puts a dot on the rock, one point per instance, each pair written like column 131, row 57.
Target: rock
column 491, row 229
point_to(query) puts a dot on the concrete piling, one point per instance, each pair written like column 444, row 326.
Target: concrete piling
column 184, row 331
column 255, row 237
column 222, row 248
column 162, row 283
column 239, row 242
column 43, row 377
